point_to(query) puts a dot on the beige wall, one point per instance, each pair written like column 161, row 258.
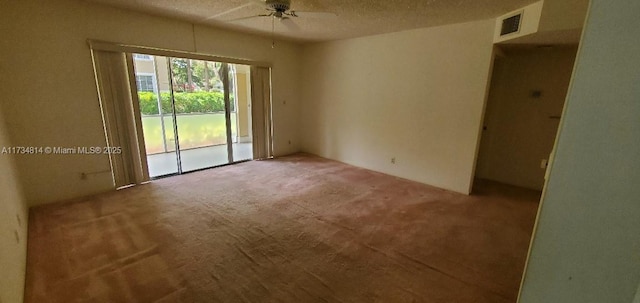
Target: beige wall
column 144, row 66
column 162, row 70
column 586, row 247
column 563, row 14
column 519, row 131
column 50, row 93
column 13, row 227
column 415, row 95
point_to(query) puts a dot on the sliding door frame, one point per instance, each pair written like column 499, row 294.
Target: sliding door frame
column 128, row 50
column 174, row 117
column 227, row 110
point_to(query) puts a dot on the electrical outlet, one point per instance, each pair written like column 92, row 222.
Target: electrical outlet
column 393, row 160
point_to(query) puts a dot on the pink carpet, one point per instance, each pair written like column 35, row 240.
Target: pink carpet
column 294, row 229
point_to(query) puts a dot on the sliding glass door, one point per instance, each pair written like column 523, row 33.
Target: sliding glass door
column 154, row 94
column 200, row 113
column 193, row 114
column 240, row 94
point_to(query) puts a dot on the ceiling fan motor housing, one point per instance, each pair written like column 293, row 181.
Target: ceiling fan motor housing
column 279, row 5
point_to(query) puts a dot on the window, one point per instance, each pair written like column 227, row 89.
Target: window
column 144, row 83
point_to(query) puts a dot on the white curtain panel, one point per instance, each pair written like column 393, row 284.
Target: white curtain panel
column 121, row 116
column 261, row 112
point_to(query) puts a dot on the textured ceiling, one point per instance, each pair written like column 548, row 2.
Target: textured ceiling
column 355, row 18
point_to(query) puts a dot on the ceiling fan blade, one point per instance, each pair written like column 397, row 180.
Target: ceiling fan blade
column 250, row 3
column 247, row 18
column 289, row 24
column 316, row 15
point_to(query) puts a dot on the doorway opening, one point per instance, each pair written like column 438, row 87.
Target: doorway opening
column 528, row 89
column 196, row 114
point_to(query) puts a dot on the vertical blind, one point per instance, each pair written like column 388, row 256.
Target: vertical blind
column 121, row 117
column 261, row 112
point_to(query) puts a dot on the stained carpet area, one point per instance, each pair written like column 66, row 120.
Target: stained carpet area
column 294, row 229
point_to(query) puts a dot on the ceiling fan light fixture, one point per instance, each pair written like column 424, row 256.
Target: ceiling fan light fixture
column 277, row 9
column 279, row 6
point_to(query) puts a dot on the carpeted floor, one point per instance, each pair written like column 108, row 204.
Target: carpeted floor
column 294, row 229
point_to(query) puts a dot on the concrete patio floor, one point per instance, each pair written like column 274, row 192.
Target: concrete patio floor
column 197, row 158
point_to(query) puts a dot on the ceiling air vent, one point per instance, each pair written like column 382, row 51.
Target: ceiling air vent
column 511, row 24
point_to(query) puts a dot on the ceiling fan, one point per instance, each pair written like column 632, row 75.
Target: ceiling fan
column 280, row 9
column 276, row 9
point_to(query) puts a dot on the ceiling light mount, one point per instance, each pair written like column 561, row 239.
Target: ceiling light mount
column 279, row 6
column 276, row 9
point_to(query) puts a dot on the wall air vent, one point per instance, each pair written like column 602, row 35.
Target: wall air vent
column 511, row 24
